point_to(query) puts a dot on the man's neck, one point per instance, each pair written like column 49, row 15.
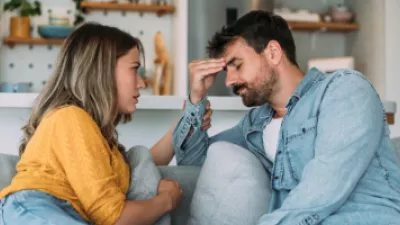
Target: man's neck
column 289, row 78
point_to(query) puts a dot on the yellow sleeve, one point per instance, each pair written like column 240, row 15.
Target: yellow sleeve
column 85, row 156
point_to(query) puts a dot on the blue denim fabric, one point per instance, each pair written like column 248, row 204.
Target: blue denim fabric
column 37, row 208
column 335, row 163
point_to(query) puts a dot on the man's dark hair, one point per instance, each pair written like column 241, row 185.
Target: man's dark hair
column 257, row 28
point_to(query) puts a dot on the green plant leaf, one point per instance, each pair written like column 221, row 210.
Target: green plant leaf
column 78, row 19
column 11, row 5
column 25, row 8
column 38, row 8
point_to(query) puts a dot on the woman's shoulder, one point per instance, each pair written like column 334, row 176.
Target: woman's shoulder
column 69, row 115
column 67, row 112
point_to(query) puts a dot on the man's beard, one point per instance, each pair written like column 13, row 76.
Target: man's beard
column 259, row 94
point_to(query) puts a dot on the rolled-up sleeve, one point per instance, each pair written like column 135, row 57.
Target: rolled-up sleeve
column 351, row 123
column 85, row 157
column 191, row 150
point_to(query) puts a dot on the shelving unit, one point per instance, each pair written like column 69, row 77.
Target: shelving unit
column 331, row 26
column 159, row 9
column 11, row 41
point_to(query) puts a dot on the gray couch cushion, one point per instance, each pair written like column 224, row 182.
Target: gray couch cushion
column 7, row 169
column 187, row 178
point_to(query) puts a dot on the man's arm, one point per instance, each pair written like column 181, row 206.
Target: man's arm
column 350, row 127
column 191, row 142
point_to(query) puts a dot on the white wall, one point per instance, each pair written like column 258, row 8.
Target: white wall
column 392, row 59
column 376, row 48
column 368, row 44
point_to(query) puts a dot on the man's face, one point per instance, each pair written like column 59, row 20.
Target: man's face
column 249, row 74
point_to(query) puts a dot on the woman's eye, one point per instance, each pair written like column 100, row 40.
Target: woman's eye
column 238, row 66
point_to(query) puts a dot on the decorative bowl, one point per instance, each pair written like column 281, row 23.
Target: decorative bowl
column 56, row 32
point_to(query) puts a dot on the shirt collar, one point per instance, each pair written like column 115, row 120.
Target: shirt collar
column 309, row 79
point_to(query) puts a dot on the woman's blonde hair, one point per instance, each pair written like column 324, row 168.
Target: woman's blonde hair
column 84, row 76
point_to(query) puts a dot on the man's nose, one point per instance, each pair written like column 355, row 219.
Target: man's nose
column 231, row 78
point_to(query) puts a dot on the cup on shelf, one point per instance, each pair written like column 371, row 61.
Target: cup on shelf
column 59, row 20
column 20, row 87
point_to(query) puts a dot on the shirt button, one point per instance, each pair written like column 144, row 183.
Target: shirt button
column 276, row 178
column 303, row 130
column 192, row 114
column 279, row 152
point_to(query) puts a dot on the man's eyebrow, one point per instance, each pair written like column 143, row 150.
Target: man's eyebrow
column 231, row 61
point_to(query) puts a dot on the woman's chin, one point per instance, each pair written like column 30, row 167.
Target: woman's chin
column 128, row 110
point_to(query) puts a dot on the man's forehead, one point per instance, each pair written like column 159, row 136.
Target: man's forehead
column 238, row 48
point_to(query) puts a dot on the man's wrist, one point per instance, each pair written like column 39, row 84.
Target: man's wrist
column 195, row 99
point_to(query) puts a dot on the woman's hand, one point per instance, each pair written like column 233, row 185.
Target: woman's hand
column 172, row 191
column 206, row 124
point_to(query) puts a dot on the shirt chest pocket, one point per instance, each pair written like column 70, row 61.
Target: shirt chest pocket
column 299, row 149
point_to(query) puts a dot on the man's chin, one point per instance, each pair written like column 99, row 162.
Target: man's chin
column 248, row 102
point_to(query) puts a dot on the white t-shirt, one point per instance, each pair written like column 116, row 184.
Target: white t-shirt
column 271, row 137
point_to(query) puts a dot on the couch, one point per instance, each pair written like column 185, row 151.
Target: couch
column 186, row 177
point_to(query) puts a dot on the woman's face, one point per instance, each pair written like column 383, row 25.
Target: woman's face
column 128, row 81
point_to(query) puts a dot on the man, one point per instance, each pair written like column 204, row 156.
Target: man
column 323, row 139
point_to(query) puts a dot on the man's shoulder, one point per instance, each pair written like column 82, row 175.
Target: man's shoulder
column 340, row 82
column 345, row 75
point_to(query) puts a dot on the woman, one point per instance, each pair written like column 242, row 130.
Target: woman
column 72, row 169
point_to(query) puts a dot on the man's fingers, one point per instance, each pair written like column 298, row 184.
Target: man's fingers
column 207, row 65
column 207, row 72
column 204, row 61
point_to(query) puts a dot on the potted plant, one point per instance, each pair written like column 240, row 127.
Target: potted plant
column 20, row 26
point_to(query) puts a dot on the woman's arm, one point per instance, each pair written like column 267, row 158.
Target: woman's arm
column 144, row 212
column 163, row 150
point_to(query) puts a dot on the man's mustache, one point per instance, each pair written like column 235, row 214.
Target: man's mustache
column 237, row 87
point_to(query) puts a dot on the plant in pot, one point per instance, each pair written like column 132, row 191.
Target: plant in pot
column 20, row 26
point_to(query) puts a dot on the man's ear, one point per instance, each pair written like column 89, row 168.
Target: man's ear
column 273, row 53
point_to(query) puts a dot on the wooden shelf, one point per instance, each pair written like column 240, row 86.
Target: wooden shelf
column 323, row 26
column 159, row 9
column 10, row 41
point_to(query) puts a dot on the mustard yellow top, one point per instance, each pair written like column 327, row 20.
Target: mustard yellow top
column 69, row 158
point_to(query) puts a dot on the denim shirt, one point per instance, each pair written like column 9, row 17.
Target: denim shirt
column 334, row 161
